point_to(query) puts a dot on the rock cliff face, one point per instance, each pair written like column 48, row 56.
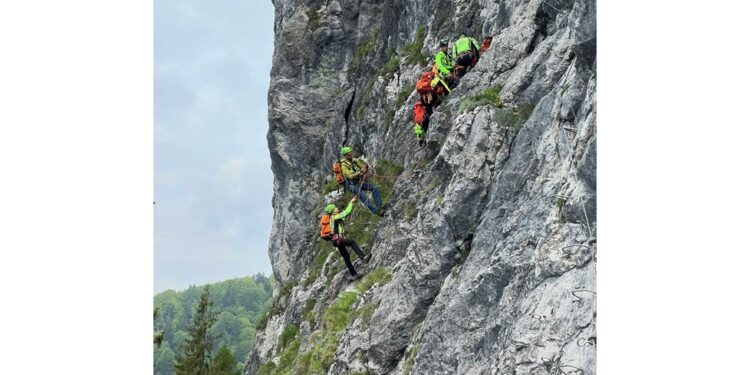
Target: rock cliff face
column 486, row 261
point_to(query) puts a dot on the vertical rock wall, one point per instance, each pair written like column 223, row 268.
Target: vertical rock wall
column 490, row 242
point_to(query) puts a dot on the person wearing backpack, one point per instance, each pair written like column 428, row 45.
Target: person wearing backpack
column 332, row 229
column 421, row 117
column 355, row 175
column 465, row 54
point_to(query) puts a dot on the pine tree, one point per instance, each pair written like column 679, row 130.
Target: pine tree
column 225, row 363
column 158, row 335
column 195, row 354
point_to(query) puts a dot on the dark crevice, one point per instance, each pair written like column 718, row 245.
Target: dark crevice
column 347, row 114
column 541, row 20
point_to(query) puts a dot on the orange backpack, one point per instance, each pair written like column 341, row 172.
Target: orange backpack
column 424, row 84
column 420, row 114
column 326, row 232
column 337, row 174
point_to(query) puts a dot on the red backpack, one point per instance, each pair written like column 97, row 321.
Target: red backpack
column 424, row 84
column 420, row 114
column 486, row 42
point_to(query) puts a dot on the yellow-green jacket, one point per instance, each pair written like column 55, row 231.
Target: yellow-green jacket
column 350, row 168
column 443, row 63
column 464, row 44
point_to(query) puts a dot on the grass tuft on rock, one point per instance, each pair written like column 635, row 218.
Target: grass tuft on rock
column 412, row 52
column 490, row 96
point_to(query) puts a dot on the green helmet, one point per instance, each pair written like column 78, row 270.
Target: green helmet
column 345, row 150
column 330, row 208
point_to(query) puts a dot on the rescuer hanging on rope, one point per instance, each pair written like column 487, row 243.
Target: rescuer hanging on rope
column 355, row 173
column 332, row 229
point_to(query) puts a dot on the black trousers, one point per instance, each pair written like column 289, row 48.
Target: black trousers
column 465, row 61
column 341, row 245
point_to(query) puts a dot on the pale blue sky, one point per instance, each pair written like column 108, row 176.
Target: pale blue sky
column 212, row 170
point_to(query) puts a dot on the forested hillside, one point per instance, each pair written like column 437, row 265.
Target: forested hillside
column 237, row 304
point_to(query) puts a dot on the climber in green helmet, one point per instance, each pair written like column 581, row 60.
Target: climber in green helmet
column 337, row 236
column 465, row 54
column 355, row 173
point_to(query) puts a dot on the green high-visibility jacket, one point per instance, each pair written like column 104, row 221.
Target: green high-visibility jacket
column 464, row 44
column 349, row 168
column 337, row 227
column 443, row 63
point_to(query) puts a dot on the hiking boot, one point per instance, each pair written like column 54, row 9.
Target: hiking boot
column 355, row 277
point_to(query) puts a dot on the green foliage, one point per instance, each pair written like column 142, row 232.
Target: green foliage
column 365, row 47
column 379, row 275
column 430, row 186
column 308, row 312
column 303, row 363
column 390, row 67
column 268, row 368
column 409, row 210
column 288, row 355
column 324, row 342
column 289, row 344
column 412, row 52
column 290, row 332
column 403, row 95
column 286, row 289
column 507, row 117
column 195, row 354
column 336, row 316
column 524, row 111
column 224, row 363
column 240, row 303
column 328, row 187
column 313, row 19
column 163, row 360
column 490, row 96
column 263, row 321
column 388, row 168
column 390, row 171
column 411, row 353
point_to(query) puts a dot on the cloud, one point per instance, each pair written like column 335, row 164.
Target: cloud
column 212, row 177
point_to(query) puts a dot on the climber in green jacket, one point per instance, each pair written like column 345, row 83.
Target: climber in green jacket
column 443, row 62
column 465, row 54
column 339, row 239
column 355, row 175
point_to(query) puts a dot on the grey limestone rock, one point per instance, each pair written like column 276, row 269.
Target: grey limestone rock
column 490, row 241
